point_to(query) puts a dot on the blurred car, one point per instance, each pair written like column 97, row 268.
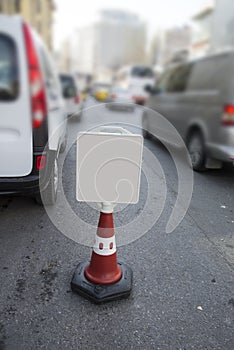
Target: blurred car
column 33, row 121
column 71, row 94
column 197, row 97
column 138, row 96
column 101, row 91
column 136, row 78
column 122, row 97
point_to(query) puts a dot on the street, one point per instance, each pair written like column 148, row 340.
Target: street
column 183, row 286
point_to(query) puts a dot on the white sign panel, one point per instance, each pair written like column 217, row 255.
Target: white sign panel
column 108, row 167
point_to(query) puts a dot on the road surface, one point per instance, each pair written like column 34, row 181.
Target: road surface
column 183, row 292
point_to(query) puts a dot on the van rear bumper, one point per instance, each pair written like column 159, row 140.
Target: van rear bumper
column 27, row 185
column 221, row 152
column 31, row 184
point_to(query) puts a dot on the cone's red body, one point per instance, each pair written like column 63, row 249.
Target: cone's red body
column 103, row 267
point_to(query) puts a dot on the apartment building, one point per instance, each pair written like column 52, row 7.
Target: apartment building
column 38, row 13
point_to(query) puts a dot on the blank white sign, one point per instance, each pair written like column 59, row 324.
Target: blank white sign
column 108, row 167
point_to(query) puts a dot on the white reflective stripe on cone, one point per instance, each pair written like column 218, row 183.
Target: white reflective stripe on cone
column 105, row 246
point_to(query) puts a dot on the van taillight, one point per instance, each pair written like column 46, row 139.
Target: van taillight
column 37, row 88
column 228, row 115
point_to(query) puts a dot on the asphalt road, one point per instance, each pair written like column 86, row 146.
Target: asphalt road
column 183, row 292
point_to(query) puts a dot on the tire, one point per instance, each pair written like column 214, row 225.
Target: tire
column 49, row 195
column 196, row 148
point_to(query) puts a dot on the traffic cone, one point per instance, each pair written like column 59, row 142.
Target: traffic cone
column 103, row 267
column 103, row 279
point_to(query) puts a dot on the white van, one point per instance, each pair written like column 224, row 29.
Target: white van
column 32, row 114
column 135, row 78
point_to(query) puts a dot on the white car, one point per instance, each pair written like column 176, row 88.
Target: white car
column 136, row 78
column 71, row 94
column 123, row 99
column 33, row 121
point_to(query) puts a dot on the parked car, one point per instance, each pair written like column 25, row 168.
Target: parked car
column 71, row 94
column 33, row 115
column 101, row 91
column 122, row 97
column 138, row 96
column 197, row 97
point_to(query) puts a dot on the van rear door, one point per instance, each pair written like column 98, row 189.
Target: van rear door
column 16, row 145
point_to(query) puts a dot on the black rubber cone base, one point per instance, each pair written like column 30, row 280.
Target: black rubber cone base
column 100, row 293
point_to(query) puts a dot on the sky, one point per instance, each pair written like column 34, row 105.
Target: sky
column 72, row 14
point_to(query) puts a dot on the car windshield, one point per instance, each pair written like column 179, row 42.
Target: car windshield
column 142, row 72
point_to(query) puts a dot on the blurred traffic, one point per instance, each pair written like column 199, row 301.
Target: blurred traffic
column 184, row 71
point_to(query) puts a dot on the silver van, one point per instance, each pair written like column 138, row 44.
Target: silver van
column 197, row 98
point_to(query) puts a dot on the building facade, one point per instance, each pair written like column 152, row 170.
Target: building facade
column 223, row 25
column 63, row 57
column 202, row 29
column 213, row 27
column 38, row 13
column 115, row 39
column 171, row 45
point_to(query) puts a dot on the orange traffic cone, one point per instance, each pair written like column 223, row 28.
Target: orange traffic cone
column 103, row 268
column 103, row 279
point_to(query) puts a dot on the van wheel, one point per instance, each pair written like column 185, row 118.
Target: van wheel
column 196, row 148
column 49, row 195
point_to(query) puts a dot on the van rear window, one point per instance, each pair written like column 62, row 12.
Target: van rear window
column 9, row 75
